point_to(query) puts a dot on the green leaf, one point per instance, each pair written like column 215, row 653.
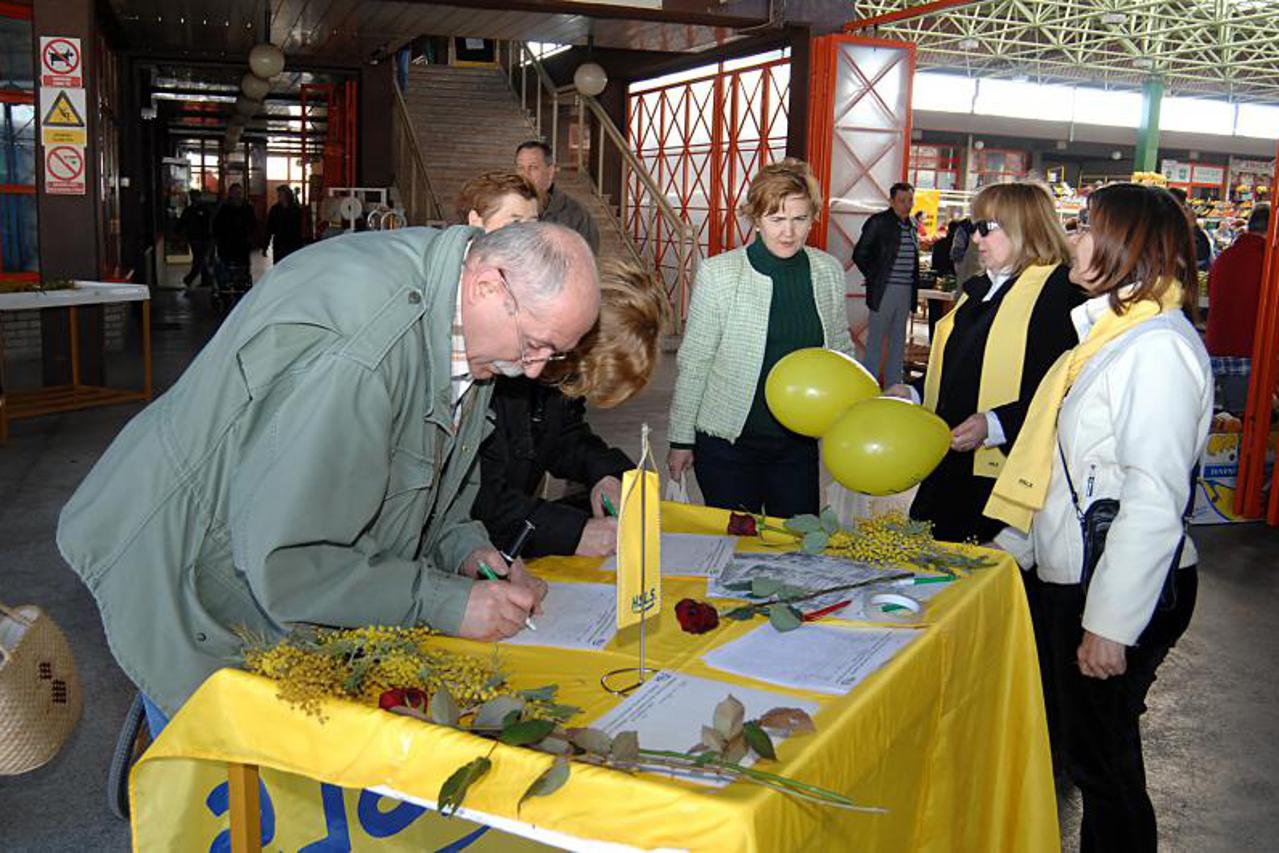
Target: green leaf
column 592, row 740
column 738, row 586
column 524, row 732
column 759, row 741
column 741, row 614
column 830, row 521
column 784, row 617
column 814, row 542
column 443, row 710
column 492, row 714
column 562, row 713
column 803, row 524
column 728, row 717
column 541, row 694
column 554, row 745
column 549, row 782
column 454, row 789
column 765, row 587
column 708, row 757
column 626, row 747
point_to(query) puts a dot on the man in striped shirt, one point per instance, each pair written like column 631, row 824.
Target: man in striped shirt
column 888, row 256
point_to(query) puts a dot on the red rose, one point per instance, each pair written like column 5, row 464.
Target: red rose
column 741, row 524
column 407, row 696
column 696, row 617
column 390, row 699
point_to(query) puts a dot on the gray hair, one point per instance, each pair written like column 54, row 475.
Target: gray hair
column 536, row 257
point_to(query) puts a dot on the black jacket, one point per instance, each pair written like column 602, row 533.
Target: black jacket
column 952, row 497
column 875, row 253
column 539, row 430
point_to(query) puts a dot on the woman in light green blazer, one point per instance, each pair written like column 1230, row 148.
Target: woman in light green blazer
column 750, row 307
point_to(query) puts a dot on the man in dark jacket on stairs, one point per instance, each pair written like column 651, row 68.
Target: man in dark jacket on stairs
column 536, row 163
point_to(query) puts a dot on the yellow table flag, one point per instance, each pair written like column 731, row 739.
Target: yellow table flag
column 639, row 573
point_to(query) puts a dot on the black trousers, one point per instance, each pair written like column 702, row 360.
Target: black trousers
column 758, row 473
column 1098, row 719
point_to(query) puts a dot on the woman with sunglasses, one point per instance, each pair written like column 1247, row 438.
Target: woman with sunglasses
column 989, row 353
column 1116, row 427
column 751, row 307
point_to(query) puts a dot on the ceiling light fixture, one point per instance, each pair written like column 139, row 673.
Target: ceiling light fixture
column 969, row 44
column 1114, row 18
column 1143, row 62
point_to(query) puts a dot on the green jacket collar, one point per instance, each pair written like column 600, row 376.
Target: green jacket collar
column 443, row 269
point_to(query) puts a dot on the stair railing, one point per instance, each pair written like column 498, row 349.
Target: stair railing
column 652, row 227
column 655, row 234
column 421, row 205
column 517, row 61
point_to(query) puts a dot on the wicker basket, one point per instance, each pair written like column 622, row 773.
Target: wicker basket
column 40, row 696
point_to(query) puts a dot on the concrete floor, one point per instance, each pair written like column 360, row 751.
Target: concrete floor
column 1212, row 733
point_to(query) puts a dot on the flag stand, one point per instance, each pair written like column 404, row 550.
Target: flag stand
column 621, row 682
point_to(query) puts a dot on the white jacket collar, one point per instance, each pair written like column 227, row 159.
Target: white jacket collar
column 1085, row 316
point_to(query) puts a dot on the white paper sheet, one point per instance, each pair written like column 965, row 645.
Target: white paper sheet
column 814, row 657
column 669, row 710
column 574, row 616
column 805, row 571
column 690, row 554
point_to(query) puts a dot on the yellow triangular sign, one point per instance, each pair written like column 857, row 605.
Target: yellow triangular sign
column 62, row 113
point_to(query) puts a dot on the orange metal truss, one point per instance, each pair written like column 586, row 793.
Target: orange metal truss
column 703, row 140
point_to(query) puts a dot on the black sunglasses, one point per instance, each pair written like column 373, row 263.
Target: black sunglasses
column 985, row 226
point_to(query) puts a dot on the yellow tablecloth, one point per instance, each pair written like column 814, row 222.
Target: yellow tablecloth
column 949, row 737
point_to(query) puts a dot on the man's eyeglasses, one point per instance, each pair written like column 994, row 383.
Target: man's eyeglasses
column 525, row 358
column 985, row 226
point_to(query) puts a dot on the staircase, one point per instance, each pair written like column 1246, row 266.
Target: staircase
column 467, row 122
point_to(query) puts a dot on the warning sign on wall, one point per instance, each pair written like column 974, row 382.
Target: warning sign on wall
column 64, row 170
column 62, row 113
column 60, row 62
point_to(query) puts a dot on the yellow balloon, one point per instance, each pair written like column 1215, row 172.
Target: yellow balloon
column 884, row 446
column 808, row 389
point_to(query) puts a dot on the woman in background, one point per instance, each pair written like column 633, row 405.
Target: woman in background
column 752, row 306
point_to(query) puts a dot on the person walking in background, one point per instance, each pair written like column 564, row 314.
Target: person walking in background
column 1114, row 432
column 887, row 253
column 942, row 264
column 752, row 306
column 283, row 225
column 535, row 161
column 991, row 350
column 196, row 225
column 1234, row 290
column 234, row 227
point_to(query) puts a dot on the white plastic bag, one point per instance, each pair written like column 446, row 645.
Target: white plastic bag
column 677, row 490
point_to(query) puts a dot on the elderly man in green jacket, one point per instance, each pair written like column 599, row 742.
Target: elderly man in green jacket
column 316, row 463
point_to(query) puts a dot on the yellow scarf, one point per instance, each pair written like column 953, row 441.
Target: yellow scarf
column 1002, row 360
column 1022, row 488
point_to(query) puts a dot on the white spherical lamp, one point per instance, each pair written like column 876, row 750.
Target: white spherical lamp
column 590, row 79
column 254, row 87
column 247, row 106
column 266, row 60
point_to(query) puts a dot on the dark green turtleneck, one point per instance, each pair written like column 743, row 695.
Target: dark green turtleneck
column 793, row 323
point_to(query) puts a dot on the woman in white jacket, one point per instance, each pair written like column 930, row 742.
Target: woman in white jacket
column 1132, row 404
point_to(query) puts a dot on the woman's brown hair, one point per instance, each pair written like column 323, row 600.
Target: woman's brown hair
column 1141, row 237
column 484, row 192
column 1028, row 216
column 775, row 182
column 616, row 359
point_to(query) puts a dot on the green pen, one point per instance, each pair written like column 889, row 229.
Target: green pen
column 608, row 506
column 489, row 575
